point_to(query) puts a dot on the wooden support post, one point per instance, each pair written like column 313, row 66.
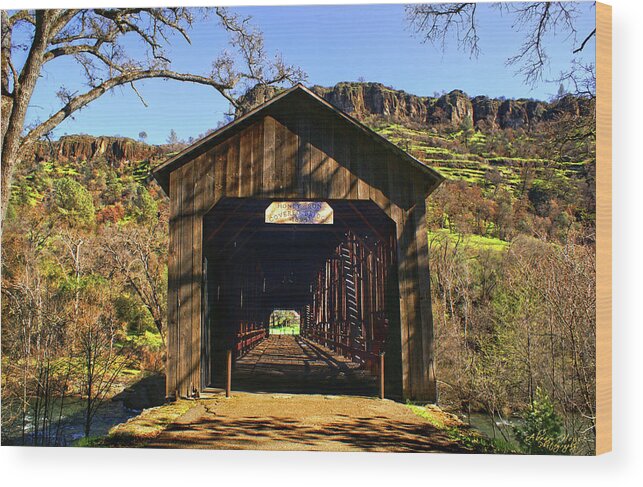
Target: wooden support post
column 228, row 382
column 382, row 375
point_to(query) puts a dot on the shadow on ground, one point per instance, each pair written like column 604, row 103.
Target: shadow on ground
column 363, row 434
column 320, row 423
column 292, row 364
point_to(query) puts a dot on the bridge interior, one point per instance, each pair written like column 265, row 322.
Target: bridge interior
column 341, row 278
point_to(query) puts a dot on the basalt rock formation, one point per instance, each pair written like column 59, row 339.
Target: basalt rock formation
column 79, row 148
column 455, row 108
column 361, row 100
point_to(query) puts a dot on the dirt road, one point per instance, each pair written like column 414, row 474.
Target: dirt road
column 292, row 394
column 304, row 422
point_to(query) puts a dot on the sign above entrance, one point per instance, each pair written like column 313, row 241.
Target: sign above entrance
column 300, row 213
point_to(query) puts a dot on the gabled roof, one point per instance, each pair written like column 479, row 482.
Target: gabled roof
column 162, row 172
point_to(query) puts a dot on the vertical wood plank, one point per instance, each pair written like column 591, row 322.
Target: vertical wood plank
column 317, row 162
column 291, row 164
column 339, row 175
column 245, row 162
column 350, row 164
column 335, row 183
column 179, row 278
column 382, row 175
column 269, row 177
column 364, row 170
column 188, row 272
column 302, row 176
column 173, row 285
column 281, row 164
column 185, row 244
column 232, row 169
column 257, row 159
column 386, row 180
column 421, row 240
column 328, row 164
column 209, row 170
column 399, row 180
column 416, row 325
column 308, row 157
column 403, row 280
column 198, row 196
column 220, row 171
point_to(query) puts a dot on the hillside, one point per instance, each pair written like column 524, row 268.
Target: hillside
column 505, row 157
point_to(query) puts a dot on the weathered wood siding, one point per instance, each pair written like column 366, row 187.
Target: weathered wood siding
column 291, row 155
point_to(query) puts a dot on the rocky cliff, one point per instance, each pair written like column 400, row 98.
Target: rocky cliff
column 361, row 100
column 86, row 147
column 455, row 108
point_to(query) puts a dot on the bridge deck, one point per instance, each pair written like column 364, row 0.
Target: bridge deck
column 292, row 364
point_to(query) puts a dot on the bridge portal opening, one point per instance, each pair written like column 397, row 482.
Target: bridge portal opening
column 334, row 281
column 284, row 322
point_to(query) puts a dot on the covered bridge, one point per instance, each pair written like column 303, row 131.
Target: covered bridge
column 297, row 205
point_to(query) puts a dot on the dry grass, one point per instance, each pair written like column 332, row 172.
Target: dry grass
column 147, row 425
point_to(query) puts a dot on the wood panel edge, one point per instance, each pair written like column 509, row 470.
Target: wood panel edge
column 603, row 228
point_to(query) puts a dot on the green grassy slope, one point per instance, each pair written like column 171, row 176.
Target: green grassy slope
column 464, row 155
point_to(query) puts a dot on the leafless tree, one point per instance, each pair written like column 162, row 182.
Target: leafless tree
column 137, row 256
column 561, row 285
column 95, row 39
column 435, row 22
column 34, row 335
column 101, row 358
column 537, row 20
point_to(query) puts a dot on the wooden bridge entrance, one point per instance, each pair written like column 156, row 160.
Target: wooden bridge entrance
column 296, row 205
column 341, row 278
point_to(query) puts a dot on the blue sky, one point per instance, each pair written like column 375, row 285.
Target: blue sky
column 331, row 44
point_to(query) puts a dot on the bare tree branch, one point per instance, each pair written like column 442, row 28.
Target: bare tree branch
column 435, row 22
column 80, row 101
column 95, row 39
column 539, row 21
column 581, row 77
column 585, row 41
column 140, row 97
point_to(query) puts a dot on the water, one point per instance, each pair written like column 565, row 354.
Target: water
column 131, row 397
column 497, row 428
column 72, row 423
column 504, row 429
